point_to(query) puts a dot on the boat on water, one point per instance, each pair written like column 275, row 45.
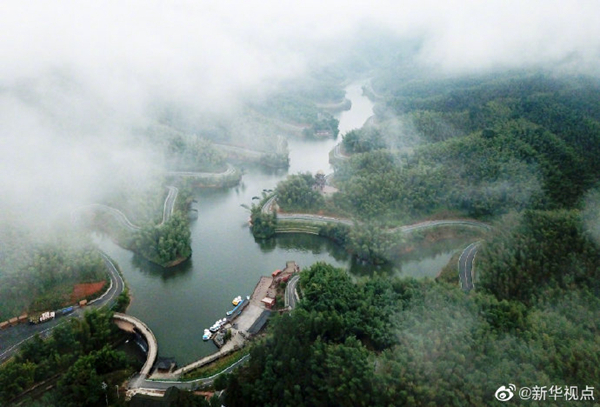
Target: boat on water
column 207, row 335
column 237, row 300
column 236, row 307
column 217, row 325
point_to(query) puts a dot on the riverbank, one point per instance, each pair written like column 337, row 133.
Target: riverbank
column 240, row 327
column 226, row 260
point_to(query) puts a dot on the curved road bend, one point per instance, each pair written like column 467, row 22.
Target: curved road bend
column 337, row 153
column 291, row 295
column 465, row 266
column 143, row 329
column 169, row 205
column 12, row 338
column 447, row 222
column 268, row 208
column 465, row 263
column 168, row 208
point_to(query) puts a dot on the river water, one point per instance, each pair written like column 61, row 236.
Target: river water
column 179, row 303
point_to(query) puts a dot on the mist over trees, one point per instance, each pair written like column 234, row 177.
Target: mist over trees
column 516, row 150
column 486, row 111
column 485, row 146
column 37, row 276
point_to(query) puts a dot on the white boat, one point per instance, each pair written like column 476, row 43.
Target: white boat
column 236, row 307
column 217, row 325
column 207, row 335
column 237, row 300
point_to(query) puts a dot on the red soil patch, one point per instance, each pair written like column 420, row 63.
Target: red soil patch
column 81, row 291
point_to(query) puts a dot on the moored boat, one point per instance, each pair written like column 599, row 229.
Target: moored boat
column 207, row 335
column 236, row 307
column 217, row 325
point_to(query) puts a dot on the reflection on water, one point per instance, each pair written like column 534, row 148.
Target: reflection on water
column 423, row 261
column 179, row 303
column 153, row 269
column 297, row 242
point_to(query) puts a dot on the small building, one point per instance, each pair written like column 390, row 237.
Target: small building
column 82, row 303
column 275, row 273
column 13, row 321
column 269, row 302
column 22, row 318
column 4, row 325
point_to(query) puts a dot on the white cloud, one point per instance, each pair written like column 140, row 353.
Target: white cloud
column 76, row 76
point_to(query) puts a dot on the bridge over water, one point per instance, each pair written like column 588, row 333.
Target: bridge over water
column 143, row 329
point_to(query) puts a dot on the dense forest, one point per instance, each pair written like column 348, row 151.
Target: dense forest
column 517, row 150
column 481, row 148
column 82, row 351
column 184, row 151
column 38, row 276
column 164, row 243
column 385, row 342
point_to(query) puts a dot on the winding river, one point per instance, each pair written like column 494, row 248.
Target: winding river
column 177, row 304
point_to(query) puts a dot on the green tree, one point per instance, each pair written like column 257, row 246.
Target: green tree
column 299, row 193
column 372, row 243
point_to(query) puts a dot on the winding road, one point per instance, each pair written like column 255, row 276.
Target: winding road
column 336, row 153
column 291, row 293
column 12, row 338
column 465, row 263
column 168, row 208
column 465, row 266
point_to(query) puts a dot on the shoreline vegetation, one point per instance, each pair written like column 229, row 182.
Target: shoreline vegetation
column 517, row 150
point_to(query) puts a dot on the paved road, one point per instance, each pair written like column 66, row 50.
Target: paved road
column 444, row 222
column 12, row 338
column 465, row 266
column 143, row 329
column 268, row 208
column 230, row 170
column 169, row 205
column 115, row 213
column 337, row 153
column 291, row 295
column 313, row 218
column 138, row 382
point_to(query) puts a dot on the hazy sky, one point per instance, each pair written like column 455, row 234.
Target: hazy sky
column 76, row 76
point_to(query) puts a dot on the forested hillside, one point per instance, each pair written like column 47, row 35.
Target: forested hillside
column 39, row 275
column 519, row 151
column 82, row 350
column 416, row 343
column 479, row 147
